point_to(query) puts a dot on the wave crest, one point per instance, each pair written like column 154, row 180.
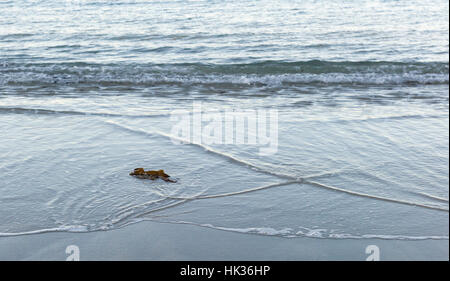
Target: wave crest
column 254, row 74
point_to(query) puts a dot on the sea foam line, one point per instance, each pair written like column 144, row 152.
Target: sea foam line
column 234, row 193
column 354, row 193
column 445, row 200
column 374, row 196
column 311, row 233
column 73, row 228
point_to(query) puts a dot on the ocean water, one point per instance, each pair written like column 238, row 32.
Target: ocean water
column 91, row 89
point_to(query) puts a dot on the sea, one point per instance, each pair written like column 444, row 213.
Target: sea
column 313, row 118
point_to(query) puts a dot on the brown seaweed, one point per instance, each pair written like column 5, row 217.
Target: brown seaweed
column 151, row 175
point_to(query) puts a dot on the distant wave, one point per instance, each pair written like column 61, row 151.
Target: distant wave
column 42, row 111
column 268, row 73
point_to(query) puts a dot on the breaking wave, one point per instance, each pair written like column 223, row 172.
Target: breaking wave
column 269, row 73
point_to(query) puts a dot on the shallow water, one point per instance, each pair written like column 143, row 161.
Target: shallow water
column 88, row 89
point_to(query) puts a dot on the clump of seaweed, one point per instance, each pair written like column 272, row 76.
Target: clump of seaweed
column 151, row 175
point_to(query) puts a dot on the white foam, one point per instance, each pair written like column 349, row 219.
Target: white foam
column 69, row 228
column 319, row 233
column 40, row 76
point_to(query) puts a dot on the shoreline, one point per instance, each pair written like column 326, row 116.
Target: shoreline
column 149, row 240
